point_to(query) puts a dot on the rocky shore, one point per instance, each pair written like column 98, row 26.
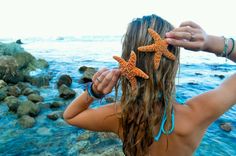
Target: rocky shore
column 21, row 92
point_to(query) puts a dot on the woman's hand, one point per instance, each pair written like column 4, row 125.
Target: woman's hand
column 104, row 80
column 189, row 36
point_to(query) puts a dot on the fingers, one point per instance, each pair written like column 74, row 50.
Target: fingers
column 179, row 35
column 107, row 80
column 184, row 43
column 190, row 23
column 97, row 74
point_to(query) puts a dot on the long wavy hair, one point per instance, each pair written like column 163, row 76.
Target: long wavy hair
column 143, row 109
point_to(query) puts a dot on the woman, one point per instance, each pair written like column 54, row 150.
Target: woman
column 148, row 119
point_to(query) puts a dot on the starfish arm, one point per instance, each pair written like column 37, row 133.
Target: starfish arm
column 157, row 59
column 120, row 60
column 138, row 72
column 132, row 59
column 169, row 55
column 154, row 35
column 133, row 83
column 148, row 48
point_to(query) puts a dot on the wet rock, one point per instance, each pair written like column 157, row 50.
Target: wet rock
column 198, row 74
column 2, row 84
column 56, row 104
column 26, row 121
column 12, row 103
column 64, row 79
column 55, row 115
column 39, row 81
column 43, row 105
column 22, row 85
column 65, row 92
column 35, row 98
column 226, row 126
column 219, row 76
column 14, row 91
column 16, row 63
column 110, row 99
column 27, row 91
column 193, row 83
column 88, row 73
column 19, row 41
column 3, row 93
column 28, row 108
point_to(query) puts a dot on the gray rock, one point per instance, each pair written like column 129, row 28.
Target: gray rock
column 16, row 63
column 22, row 85
column 55, row 115
column 35, row 98
column 27, row 91
column 39, row 81
column 2, row 84
column 43, row 105
column 12, row 103
column 226, row 126
column 65, row 92
column 88, row 73
column 3, row 93
column 64, row 79
column 14, row 91
column 26, row 121
column 56, row 104
column 28, row 108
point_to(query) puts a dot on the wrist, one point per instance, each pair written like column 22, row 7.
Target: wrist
column 214, row 44
column 93, row 93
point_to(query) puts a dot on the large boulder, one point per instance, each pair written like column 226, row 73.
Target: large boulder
column 14, row 91
column 2, row 84
column 66, row 92
column 26, row 121
column 3, row 93
column 88, row 73
column 16, row 63
column 28, row 108
column 35, row 98
column 12, row 103
column 64, row 79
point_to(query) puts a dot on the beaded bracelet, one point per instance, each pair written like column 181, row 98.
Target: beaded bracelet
column 226, row 46
column 232, row 47
column 91, row 92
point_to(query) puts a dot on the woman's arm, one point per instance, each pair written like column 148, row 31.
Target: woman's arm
column 79, row 114
column 208, row 106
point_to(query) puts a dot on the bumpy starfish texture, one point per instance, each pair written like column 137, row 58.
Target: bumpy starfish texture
column 159, row 47
column 129, row 69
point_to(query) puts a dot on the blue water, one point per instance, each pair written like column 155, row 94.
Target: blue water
column 196, row 75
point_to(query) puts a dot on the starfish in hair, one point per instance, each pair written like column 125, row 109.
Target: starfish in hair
column 159, row 47
column 129, row 69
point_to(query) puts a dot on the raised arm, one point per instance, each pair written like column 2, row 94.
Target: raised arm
column 103, row 118
column 208, row 106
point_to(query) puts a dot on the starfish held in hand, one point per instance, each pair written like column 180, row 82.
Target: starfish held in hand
column 159, row 47
column 129, row 69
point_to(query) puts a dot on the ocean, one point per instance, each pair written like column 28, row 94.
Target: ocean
column 199, row 72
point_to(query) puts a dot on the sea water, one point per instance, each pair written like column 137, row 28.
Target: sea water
column 199, row 72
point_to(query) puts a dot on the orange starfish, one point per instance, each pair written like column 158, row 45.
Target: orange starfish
column 129, row 69
column 159, row 47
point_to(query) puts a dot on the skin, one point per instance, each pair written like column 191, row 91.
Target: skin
column 191, row 120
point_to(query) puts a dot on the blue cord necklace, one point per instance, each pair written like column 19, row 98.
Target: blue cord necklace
column 162, row 127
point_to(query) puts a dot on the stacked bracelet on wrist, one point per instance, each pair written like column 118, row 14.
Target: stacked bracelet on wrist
column 91, row 92
column 225, row 52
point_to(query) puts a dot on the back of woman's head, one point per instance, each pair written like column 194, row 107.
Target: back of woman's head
column 143, row 108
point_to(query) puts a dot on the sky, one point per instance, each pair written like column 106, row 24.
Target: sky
column 25, row 18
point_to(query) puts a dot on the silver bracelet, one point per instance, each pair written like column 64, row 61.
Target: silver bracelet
column 226, row 47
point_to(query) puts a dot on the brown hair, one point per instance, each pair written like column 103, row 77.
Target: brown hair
column 142, row 109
